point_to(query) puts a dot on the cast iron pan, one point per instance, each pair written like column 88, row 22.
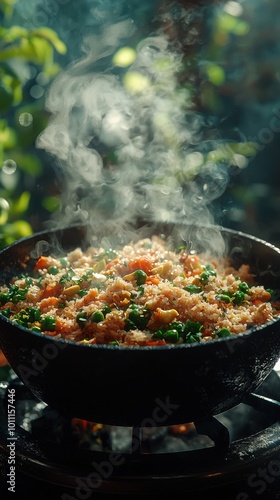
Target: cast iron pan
column 142, row 386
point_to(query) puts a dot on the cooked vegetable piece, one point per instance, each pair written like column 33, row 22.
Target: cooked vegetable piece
column 193, row 288
column 81, row 319
column 48, row 323
column 142, row 294
column 97, row 316
column 138, row 317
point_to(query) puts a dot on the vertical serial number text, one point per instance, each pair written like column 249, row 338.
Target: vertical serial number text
column 11, row 422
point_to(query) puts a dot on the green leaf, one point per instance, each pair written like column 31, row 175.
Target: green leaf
column 4, row 211
column 13, row 33
column 36, row 50
column 51, row 203
column 7, row 138
column 29, row 163
column 21, row 204
column 216, row 74
column 52, row 37
column 6, row 97
column 16, row 230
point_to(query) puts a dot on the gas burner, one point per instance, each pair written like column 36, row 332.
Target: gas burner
column 230, row 454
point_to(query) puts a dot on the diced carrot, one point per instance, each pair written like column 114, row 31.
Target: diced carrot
column 3, row 360
column 42, row 263
column 257, row 302
column 51, row 290
column 49, row 302
column 192, row 264
column 111, row 263
column 156, row 342
column 196, row 271
column 152, row 280
column 142, row 263
column 62, row 326
column 51, row 334
column 90, row 296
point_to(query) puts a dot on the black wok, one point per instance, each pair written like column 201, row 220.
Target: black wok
column 144, row 386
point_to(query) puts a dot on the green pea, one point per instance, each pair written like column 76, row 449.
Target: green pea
column 141, row 277
column 204, row 277
column 243, row 287
column 53, row 270
column 179, row 326
column 97, row 317
column 223, row 298
column 106, row 310
column 211, row 270
column 158, row 335
column 238, row 297
column 48, row 323
column 64, row 262
column 171, row 336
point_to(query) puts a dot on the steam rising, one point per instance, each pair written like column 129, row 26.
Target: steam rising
column 124, row 140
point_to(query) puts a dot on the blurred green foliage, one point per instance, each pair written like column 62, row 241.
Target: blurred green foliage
column 27, row 58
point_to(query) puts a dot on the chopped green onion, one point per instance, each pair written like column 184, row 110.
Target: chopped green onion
column 222, row 333
column 114, row 342
column 193, row 288
column 6, row 312
column 179, row 326
column 192, row 338
column 34, row 314
column 81, row 319
column 138, row 317
column 193, row 331
column 275, row 294
column 36, row 329
column 4, row 298
column 158, row 335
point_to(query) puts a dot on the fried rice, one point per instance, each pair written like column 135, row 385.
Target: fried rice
column 144, row 293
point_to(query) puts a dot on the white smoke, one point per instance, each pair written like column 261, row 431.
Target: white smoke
column 127, row 142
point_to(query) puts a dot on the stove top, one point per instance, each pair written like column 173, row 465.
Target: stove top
column 234, row 455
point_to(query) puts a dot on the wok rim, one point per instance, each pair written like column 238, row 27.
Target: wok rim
column 105, row 347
